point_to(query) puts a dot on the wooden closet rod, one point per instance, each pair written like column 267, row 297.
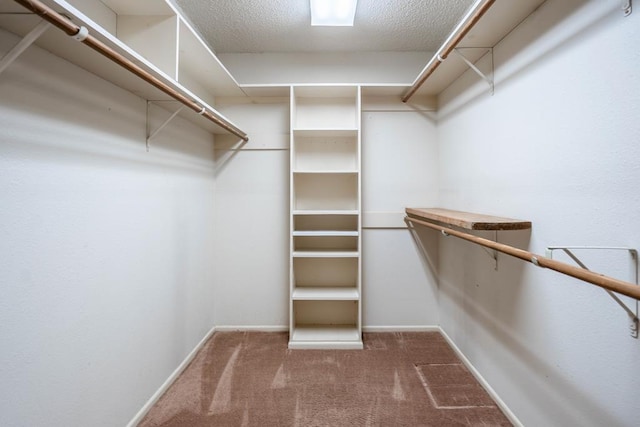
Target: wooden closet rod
column 606, row 282
column 467, row 23
column 73, row 30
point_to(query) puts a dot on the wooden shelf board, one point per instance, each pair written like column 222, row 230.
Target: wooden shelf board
column 467, row 220
column 325, row 293
column 326, row 253
column 325, row 233
column 325, row 337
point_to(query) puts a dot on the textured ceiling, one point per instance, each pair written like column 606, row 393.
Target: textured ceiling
column 256, row 26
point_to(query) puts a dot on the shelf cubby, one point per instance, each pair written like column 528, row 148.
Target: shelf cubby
column 325, row 107
column 325, row 154
column 321, row 242
column 325, row 272
column 328, row 223
column 322, row 323
column 312, row 313
column 325, row 191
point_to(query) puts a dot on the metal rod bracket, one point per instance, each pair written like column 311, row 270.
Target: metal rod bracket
column 627, row 7
column 81, row 35
column 632, row 313
column 487, row 78
column 151, row 135
column 23, row 45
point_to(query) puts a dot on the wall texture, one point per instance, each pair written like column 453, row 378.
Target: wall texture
column 557, row 144
column 106, row 250
column 399, row 169
column 252, row 218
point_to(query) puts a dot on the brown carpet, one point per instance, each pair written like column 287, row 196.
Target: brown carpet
column 252, row 379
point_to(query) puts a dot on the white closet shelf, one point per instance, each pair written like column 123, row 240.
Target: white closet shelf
column 325, row 293
column 20, row 21
column 138, row 7
column 325, row 233
column 325, row 253
column 325, row 212
column 343, row 337
column 325, row 132
column 335, row 172
column 486, row 33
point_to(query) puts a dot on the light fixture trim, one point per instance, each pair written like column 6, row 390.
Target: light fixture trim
column 333, row 13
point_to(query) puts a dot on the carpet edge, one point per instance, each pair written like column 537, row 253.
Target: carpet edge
column 170, row 380
column 484, row 383
column 401, row 328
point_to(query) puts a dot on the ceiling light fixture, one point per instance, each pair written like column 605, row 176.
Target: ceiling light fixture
column 333, row 13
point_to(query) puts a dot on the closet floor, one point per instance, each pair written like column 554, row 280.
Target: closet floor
column 252, row 379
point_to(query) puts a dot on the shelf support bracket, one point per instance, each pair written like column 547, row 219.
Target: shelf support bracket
column 627, row 7
column 151, row 135
column 487, row 78
column 23, row 45
column 414, row 234
column 492, row 252
column 631, row 312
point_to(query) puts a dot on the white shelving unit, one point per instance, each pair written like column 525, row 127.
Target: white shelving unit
column 325, row 262
column 150, row 33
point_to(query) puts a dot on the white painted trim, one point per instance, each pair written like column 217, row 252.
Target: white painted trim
column 257, row 328
column 503, row 406
column 325, row 345
column 165, row 386
column 402, row 328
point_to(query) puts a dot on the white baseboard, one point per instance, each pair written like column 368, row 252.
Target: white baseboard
column 402, row 328
column 257, row 328
column 279, row 328
column 165, row 386
column 503, row 406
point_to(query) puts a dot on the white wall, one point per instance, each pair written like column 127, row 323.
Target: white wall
column 106, row 251
column 252, row 214
column 354, row 68
column 558, row 144
column 252, row 218
column 399, row 169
